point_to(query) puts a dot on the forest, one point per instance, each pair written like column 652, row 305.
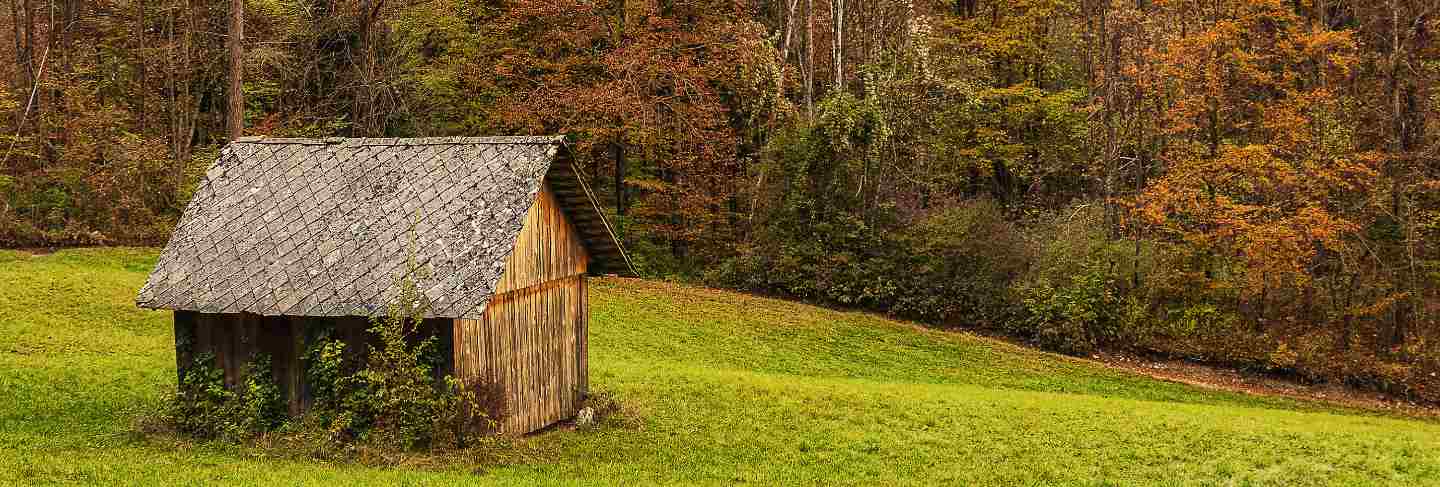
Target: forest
column 1249, row 183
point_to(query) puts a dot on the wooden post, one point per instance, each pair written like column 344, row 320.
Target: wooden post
column 296, row 373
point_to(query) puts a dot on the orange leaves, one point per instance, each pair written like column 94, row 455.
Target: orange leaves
column 1270, row 213
column 1262, row 166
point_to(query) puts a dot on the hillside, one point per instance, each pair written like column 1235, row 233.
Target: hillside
column 721, row 388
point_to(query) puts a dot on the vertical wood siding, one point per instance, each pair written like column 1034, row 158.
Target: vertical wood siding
column 547, row 249
column 532, row 339
column 532, row 343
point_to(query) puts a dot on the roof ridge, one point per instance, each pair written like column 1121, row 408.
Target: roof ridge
column 404, row 141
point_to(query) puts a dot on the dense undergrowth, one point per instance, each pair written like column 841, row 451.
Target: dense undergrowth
column 1063, row 282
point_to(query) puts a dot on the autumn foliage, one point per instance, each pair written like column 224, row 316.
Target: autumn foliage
column 1247, row 182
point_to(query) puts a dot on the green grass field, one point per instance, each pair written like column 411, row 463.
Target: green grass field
column 722, row 388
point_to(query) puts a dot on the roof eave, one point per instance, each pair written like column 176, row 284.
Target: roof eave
column 578, row 200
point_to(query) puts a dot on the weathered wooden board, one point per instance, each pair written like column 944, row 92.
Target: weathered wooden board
column 531, row 341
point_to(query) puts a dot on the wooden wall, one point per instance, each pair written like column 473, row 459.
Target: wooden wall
column 533, row 337
column 547, row 249
column 532, row 343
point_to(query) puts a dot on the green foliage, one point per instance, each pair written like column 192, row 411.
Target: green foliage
column 205, row 407
column 325, row 372
column 393, row 400
column 398, row 394
column 1072, row 317
column 954, row 267
column 1073, row 295
column 961, row 261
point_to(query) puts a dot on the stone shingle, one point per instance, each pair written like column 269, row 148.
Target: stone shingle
column 312, row 227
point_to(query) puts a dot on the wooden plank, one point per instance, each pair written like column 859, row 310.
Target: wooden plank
column 556, row 374
column 583, row 336
column 272, row 338
column 548, row 377
column 570, row 355
column 204, row 330
column 229, row 333
column 524, row 319
column 511, row 353
column 298, row 398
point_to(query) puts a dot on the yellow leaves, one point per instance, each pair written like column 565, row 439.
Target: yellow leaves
column 650, row 185
column 1272, row 213
column 1378, row 306
column 1337, row 49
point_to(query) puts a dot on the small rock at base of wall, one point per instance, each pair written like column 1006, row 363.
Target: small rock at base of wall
column 585, row 417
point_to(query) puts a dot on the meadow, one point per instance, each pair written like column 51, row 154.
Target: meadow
column 717, row 388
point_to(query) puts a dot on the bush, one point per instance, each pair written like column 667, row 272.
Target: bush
column 961, row 262
column 1083, row 288
column 953, row 266
column 1073, row 317
column 394, row 401
column 204, row 407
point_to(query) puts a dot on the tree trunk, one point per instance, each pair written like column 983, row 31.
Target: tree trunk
column 28, row 54
column 140, row 119
column 785, row 51
column 837, row 44
column 810, row 58
column 184, row 109
column 619, row 22
column 789, row 29
column 235, row 110
column 619, row 149
column 22, row 78
column 366, row 114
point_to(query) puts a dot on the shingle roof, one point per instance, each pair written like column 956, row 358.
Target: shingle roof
column 323, row 227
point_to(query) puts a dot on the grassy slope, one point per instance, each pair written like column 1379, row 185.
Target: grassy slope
column 728, row 388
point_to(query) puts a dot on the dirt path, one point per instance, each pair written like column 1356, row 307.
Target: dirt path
column 1225, row 379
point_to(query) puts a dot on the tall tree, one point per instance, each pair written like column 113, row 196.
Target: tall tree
column 234, row 94
column 837, row 41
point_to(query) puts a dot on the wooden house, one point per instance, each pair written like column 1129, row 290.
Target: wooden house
column 288, row 237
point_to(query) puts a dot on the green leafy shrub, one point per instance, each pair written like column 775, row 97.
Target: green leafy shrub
column 959, row 265
column 469, row 411
column 205, row 407
column 1083, row 289
column 1073, row 317
column 394, row 401
column 952, row 267
column 401, row 398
